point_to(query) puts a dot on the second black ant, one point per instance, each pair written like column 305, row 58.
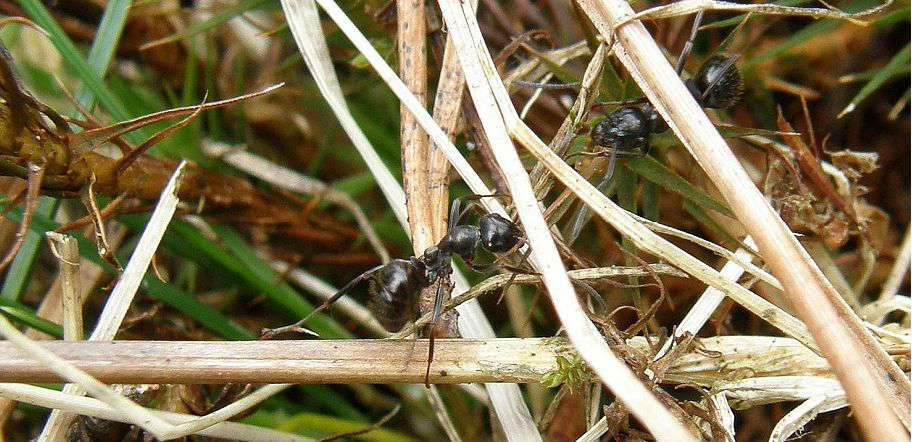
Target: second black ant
column 625, row 132
column 396, row 285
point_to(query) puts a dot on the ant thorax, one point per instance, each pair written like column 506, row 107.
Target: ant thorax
column 625, row 129
column 461, row 240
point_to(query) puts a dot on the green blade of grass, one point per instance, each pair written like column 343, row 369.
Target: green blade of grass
column 215, row 20
column 25, row 316
column 701, row 217
column 104, row 45
column 269, row 282
column 190, row 306
column 325, row 426
column 809, row 32
column 898, row 67
column 71, row 56
column 20, row 270
column 654, row 171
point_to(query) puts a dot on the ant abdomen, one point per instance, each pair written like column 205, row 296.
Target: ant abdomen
column 718, row 84
column 395, row 291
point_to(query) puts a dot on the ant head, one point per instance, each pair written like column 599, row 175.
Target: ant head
column 718, row 83
column 498, row 234
column 625, row 129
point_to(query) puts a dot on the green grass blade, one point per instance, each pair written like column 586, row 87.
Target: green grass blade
column 809, row 32
column 103, row 47
column 73, row 59
column 269, row 283
column 656, row 172
column 20, row 270
column 322, row 425
column 701, row 217
column 23, row 315
column 898, row 67
column 190, row 306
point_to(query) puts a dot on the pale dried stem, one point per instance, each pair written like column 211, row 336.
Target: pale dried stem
column 496, row 282
column 900, row 267
column 483, row 84
column 66, row 249
column 411, row 37
column 447, row 113
column 877, row 389
column 712, row 360
column 47, row 398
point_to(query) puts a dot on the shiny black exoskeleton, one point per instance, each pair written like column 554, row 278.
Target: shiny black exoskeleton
column 625, row 132
column 395, row 286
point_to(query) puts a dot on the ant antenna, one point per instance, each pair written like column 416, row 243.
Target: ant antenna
column 688, row 45
column 298, row 327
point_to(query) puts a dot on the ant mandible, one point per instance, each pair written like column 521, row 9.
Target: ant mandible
column 395, row 286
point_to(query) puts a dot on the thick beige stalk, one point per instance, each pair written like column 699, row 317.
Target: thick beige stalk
column 876, row 388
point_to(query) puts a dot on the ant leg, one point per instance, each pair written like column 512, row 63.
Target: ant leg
column 534, row 85
column 590, row 291
column 582, row 217
column 298, row 327
column 456, row 216
column 431, row 330
column 688, row 46
column 33, row 191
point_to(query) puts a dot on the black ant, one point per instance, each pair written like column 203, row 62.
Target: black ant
column 625, row 132
column 395, row 286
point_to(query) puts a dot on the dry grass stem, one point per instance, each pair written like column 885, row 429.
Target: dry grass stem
column 47, row 398
column 878, row 390
column 304, row 23
column 66, row 249
column 411, row 37
column 498, row 281
column 482, row 81
column 900, row 268
column 687, row 7
column 710, row 361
